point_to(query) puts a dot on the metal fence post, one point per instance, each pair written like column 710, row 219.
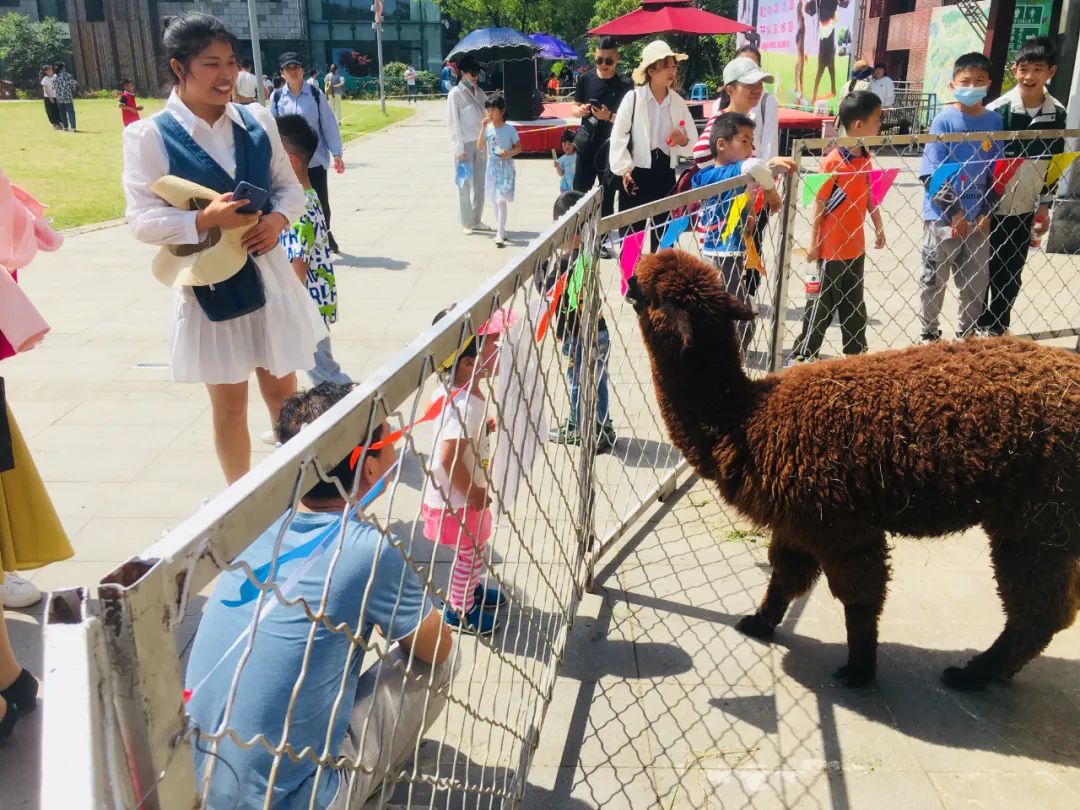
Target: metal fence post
column 588, row 325
column 141, row 641
column 787, row 241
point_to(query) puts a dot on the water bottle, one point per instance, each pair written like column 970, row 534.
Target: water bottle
column 670, row 138
column 1036, row 241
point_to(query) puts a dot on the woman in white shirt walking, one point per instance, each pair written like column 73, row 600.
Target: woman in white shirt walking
column 653, row 130
column 204, row 138
column 465, row 111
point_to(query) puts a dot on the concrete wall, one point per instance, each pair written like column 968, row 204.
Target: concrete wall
column 281, row 19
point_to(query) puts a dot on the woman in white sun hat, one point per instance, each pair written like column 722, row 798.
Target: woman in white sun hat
column 653, row 131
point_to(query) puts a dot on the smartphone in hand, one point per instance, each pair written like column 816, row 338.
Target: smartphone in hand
column 255, row 196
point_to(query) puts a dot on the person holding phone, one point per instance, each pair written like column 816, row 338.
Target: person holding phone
column 203, row 137
column 653, row 131
column 597, row 96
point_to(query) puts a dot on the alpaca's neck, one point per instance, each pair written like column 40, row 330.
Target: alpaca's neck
column 704, row 397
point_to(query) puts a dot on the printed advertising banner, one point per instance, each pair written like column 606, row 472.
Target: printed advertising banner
column 805, row 44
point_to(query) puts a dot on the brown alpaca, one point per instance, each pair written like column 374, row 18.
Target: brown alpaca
column 921, row 442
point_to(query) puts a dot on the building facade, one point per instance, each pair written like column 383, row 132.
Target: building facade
column 896, row 32
column 115, row 39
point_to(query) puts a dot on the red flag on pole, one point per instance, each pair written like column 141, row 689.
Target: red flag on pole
column 378, row 9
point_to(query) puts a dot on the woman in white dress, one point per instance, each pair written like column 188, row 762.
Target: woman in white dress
column 200, row 135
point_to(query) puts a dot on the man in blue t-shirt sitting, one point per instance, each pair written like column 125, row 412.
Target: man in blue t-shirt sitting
column 959, row 199
column 301, row 685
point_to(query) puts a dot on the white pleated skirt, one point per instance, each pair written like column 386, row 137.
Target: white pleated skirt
column 280, row 337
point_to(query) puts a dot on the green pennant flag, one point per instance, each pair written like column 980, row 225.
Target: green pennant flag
column 577, row 281
column 812, row 184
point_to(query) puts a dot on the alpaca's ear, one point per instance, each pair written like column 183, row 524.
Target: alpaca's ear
column 678, row 323
column 736, row 309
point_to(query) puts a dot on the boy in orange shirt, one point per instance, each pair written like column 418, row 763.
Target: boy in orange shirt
column 837, row 242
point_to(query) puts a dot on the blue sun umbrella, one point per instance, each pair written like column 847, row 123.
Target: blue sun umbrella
column 493, row 45
column 553, row 48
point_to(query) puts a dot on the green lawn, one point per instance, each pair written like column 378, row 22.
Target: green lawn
column 78, row 174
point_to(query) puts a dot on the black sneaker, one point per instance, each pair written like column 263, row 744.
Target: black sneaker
column 605, row 443
column 930, row 337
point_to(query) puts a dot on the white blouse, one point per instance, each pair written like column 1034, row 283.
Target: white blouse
column 153, row 220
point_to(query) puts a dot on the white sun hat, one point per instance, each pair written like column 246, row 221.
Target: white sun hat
column 653, row 53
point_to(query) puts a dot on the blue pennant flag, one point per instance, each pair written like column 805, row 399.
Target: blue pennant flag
column 942, row 174
column 675, row 229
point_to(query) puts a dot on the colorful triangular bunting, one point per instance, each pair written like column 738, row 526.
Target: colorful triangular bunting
column 632, row 245
column 675, row 229
column 734, row 217
column 942, row 175
column 1058, row 165
column 881, row 181
column 1005, row 170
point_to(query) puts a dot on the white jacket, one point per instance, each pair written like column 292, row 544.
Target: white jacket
column 464, row 112
column 620, row 159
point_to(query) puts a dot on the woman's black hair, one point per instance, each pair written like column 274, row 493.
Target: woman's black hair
column 496, row 102
column 468, row 64
column 189, row 35
column 749, row 49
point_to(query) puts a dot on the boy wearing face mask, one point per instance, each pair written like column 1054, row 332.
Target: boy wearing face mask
column 957, row 207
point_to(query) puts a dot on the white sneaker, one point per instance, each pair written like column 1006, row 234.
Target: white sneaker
column 16, row 592
column 467, row 231
column 500, row 241
column 270, row 438
column 483, row 226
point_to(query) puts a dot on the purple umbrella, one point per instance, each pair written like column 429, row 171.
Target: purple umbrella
column 552, row 48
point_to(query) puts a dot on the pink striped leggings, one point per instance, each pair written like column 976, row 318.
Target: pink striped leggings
column 467, row 531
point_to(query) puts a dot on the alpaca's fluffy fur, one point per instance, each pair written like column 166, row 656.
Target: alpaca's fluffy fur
column 831, row 456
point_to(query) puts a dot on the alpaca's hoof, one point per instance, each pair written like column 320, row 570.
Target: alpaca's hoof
column 755, row 627
column 854, row 676
column 964, row 678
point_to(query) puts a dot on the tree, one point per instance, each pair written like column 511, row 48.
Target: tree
column 566, row 19
column 25, row 46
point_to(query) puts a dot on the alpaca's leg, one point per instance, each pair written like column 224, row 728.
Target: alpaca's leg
column 859, row 579
column 794, row 573
column 1039, row 582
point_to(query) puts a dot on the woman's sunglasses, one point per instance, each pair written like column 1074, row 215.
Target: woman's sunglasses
column 605, row 60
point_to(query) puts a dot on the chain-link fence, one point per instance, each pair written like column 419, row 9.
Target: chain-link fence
column 318, row 674
column 956, row 242
column 313, row 675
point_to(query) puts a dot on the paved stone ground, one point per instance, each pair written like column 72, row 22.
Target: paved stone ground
column 661, row 703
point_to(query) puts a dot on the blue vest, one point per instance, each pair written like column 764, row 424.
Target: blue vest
column 242, row 293
column 189, row 160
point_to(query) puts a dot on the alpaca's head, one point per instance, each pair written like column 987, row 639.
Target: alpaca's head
column 682, row 305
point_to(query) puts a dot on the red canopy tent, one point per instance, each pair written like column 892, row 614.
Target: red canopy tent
column 668, row 17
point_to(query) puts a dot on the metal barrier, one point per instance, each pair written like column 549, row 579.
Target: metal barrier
column 563, row 506
column 927, row 279
column 568, row 504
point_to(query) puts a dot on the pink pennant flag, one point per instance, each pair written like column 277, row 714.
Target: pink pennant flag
column 881, row 181
column 632, row 245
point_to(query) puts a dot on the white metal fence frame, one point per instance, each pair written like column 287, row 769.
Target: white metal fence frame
column 115, row 681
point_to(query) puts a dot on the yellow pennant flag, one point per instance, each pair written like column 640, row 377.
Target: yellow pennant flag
column 738, row 205
column 1058, row 165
